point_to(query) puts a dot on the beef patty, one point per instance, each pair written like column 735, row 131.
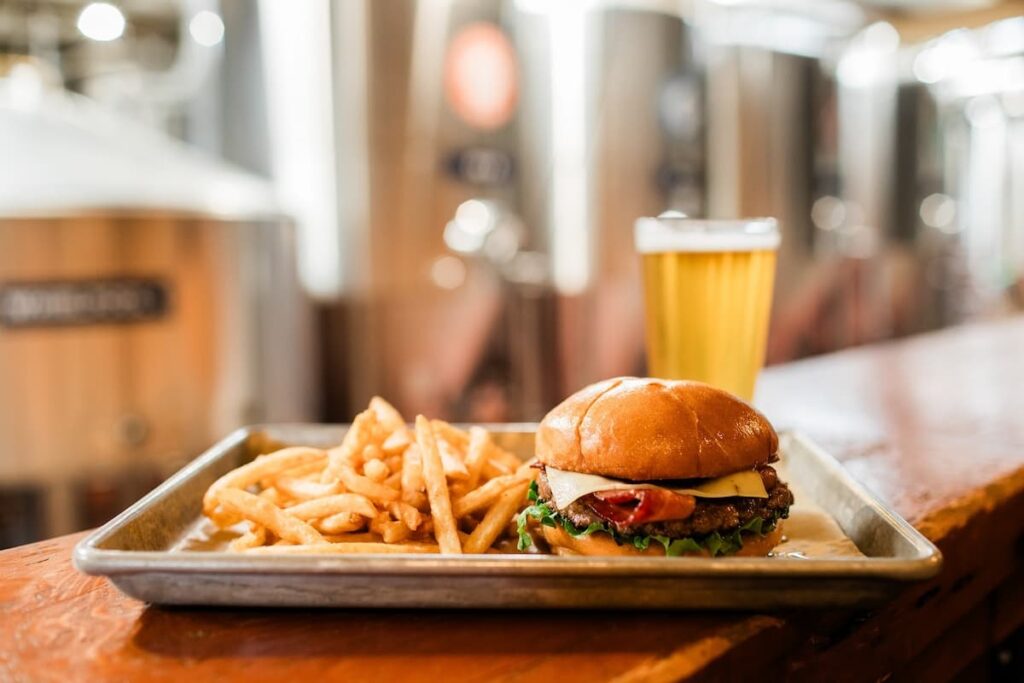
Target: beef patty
column 710, row 515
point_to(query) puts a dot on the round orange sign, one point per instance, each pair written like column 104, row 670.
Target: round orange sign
column 480, row 76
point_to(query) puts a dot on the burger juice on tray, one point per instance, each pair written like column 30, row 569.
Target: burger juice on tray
column 656, row 467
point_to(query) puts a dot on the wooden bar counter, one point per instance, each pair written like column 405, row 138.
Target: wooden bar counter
column 934, row 425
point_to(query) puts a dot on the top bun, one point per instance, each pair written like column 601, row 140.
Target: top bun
column 643, row 429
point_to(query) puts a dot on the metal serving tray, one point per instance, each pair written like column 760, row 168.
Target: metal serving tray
column 133, row 551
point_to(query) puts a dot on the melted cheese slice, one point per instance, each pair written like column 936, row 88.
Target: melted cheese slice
column 567, row 487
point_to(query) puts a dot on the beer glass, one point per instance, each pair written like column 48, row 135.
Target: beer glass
column 708, row 292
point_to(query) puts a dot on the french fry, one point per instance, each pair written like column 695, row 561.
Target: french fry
column 418, row 501
column 351, row 447
column 496, row 519
column 332, row 505
column 303, row 489
column 476, row 456
column 385, row 488
column 410, row 516
column 372, row 452
column 265, row 513
column 390, row 531
column 376, row 470
column 395, row 532
column 254, row 537
column 501, row 455
column 412, row 476
column 527, row 469
column 357, row 483
column 451, row 434
column 483, row 496
column 451, row 461
column 387, row 415
column 249, row 474
column 343, row 548
column 493, row 468
column 397, row 441
column 394, row 480
column 340, row 523
column 445, row 529
column 354, row 537
column 274, row 496
column 299, row 472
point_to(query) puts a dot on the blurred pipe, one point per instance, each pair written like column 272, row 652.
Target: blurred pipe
column 984, row 205
column 296, row 41
column 351, row 135
column 429, row 42
column 570, row 221
column 867, row 76
column 724, row 133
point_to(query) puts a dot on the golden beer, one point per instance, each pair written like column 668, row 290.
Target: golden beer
column 708, row 292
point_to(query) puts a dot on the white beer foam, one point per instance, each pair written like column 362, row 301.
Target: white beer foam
column 654, row 235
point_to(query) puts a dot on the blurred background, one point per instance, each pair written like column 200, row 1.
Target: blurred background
column 218, row 213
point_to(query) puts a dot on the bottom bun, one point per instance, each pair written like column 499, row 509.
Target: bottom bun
column 603, row 544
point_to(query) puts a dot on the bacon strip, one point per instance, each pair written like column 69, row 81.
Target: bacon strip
column 638, row 506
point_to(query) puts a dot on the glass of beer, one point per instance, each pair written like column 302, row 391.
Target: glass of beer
column 708, row 293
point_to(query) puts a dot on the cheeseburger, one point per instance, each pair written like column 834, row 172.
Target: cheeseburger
column 656, row 467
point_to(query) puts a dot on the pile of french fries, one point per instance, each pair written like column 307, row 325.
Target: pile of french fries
column 387, row 488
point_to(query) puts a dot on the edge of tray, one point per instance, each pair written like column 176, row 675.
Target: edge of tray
column 90, row 558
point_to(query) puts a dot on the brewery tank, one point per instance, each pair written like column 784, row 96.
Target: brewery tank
column 148, row 305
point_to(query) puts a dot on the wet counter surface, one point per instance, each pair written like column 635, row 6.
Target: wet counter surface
column 934, row 425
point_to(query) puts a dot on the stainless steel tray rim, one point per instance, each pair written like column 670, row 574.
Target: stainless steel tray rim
column 99, row 561
column 920, row 560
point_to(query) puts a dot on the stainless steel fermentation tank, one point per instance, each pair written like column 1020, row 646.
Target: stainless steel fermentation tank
column 148, row 304
column 499, row 244
column 619, row 110
column 501, row 274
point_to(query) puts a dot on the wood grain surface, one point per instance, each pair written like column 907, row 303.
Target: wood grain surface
column 933, row 425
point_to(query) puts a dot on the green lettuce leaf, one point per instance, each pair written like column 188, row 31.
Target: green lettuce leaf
column 674, row 547
column 531, row 494
column 576, row 531
column 755, row 525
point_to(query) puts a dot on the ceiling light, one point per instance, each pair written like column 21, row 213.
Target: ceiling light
column 101, row 21
column 207, row 28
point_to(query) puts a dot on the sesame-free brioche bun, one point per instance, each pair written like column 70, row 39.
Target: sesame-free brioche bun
column 642, row 429
column 602, row 544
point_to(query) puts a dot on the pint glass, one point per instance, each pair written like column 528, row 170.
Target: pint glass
column 708, row 293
